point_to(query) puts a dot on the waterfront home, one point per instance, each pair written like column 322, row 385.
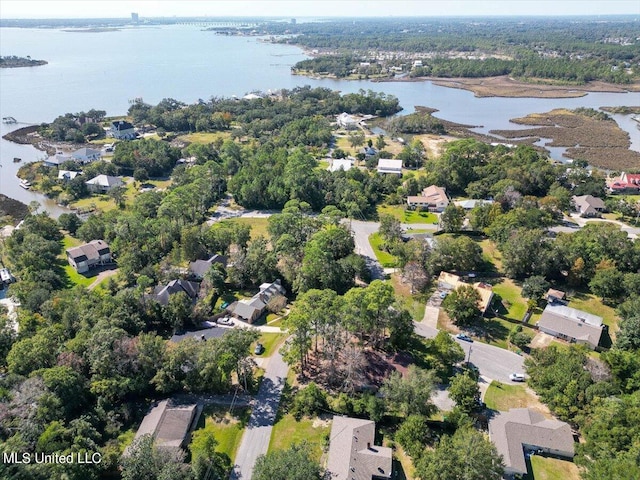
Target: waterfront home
column 387, row 165
column 625, row 183
column 250, row 309
column 103, row 183
column 353, row 453
column 521, row 431
column 66, row 175
column 346, row 121
column 572, row 325
column 88, row 256
column 122, row 130
column 81, row 156
column 433, row 198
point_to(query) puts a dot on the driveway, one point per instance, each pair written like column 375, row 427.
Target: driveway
column 493, row 363
column 361, row 233
column 577, row 222
column 256, row 437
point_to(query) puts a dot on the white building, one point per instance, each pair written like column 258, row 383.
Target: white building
column 387, row 165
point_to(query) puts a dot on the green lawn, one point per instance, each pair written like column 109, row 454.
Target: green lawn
column 77, row 278
column 271, row 342
column 592, row 304
column 510, row 293
column 415, row 304
column 407, row 216
column 386, row 259
column 103, row 202
column 288, row 431
column 226, row 428
column 491, row 254
column 545, row 468
column 258, row 226
column 502, row 397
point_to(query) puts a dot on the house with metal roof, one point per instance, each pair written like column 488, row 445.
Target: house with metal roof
column 523, row 430
column 353, row 454
column 104, row 183
column 571, row 324
column 388, row 165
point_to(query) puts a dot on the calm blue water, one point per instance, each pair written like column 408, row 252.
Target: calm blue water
column 106, row 70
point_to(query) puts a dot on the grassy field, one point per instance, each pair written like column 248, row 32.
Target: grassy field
column 545, row 468
column 592, row 304
column 226, row 428
column 502, row 397
column 491, row 253
column 407, row 216
column 203, row 138
column 104, row 202
column 386, row 259
column 415, row 304
column 258, row 225
column 288, row 431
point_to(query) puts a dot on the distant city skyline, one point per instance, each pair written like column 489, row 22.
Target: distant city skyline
column 310, row 8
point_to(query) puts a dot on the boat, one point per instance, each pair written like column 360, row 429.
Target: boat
column 25, row 184
column 17, row 159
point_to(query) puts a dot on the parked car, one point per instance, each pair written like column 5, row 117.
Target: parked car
column 466, row 338
column 225, row 321
column 259, row 350
column 516, row 377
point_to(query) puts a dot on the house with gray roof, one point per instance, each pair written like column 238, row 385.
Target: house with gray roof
column 353, row 454
column 571, row 324
column 170, row 425
column 250, row 309
column 88, row 256
column 199, row 268
column 104, row 183
column 162, row 293
column 523, row 430
column 588, row 205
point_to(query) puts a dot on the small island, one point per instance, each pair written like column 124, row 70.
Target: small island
column 13, row 61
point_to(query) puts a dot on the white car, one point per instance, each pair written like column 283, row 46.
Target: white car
column 516, row 377
column 225, row 321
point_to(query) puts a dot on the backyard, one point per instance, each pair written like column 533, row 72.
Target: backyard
column 546, row 468
column 407, row 216
column 502, row 397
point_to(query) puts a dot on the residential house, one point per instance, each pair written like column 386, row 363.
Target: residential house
column 5, row 277
column 523, row 430
column 199, row 268
column 88, row 256
column 162, row 293
column 250, row 309
column 554, row 295
column 450, row 281
column 346, row 121
column 122, row 130
column 571, row 324
column 368, row 152
column 433, row 198
column 340, row 164
column 588, row 205
column 387, row 165
column 170, row 425
column 251, row 96
column 353, row 454
column 86, row 155
column 471, row 204
column 417, row 63
column 103, row 183
column 625, row 183
column 66, row 175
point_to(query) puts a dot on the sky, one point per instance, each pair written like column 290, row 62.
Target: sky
column 309, row 8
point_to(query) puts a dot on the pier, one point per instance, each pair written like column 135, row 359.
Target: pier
column 9, row 120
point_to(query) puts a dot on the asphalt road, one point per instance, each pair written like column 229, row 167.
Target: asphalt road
column 255, row 440
column 493, row 363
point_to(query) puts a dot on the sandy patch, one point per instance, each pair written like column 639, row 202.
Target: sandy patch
column 541, row 340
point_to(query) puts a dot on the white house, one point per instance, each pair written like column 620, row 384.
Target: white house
column 387, row 165
column 66, row 175
column 122, row 130
column 103, row 183
column 340, row 164
column 347, row 121
column 86, row 155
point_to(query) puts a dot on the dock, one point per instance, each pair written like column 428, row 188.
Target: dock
column 9, row 120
